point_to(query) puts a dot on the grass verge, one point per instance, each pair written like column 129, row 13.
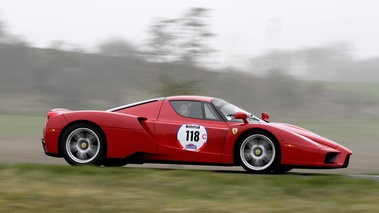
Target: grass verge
column 32, row 188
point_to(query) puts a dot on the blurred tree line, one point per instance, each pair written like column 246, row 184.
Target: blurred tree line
column 331, row 63
column 171, row 63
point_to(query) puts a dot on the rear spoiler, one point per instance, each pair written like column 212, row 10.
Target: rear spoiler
column 56, row 111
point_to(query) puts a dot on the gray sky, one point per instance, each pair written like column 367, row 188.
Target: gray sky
column 244, row 28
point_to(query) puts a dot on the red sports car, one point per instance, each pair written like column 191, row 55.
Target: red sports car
column 186, row 130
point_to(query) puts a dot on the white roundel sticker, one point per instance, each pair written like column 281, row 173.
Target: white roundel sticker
column 192, row 137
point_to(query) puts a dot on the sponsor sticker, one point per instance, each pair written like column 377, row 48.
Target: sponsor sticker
column 192, row 137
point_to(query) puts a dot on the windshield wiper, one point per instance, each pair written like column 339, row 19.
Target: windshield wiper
column 249, row 116
column 253, row 117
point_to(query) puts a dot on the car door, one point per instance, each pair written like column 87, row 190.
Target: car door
column 198, row 136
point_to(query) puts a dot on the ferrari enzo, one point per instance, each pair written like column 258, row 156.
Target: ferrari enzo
column 186, row 130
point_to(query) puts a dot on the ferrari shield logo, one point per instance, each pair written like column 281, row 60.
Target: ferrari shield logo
column 235, row 130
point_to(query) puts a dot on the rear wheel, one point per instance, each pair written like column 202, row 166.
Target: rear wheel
column 258, row 152
column 83, row 144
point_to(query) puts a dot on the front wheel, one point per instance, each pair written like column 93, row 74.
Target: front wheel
column 83, row 144
column 258, row 152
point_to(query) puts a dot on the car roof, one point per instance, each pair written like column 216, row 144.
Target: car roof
column 190, row 98
column 169, row 98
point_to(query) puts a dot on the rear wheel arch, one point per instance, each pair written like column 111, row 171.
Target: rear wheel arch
column 71, row 124
column 84, row 122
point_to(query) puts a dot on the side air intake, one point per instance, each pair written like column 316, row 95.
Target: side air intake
column 330, row 158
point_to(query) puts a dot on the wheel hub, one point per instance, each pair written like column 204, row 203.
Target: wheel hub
column 258, row 152
column 83, row 144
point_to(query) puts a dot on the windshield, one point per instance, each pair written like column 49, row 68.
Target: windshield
column 228, row 110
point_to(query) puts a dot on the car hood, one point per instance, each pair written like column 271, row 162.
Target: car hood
column 305, row 133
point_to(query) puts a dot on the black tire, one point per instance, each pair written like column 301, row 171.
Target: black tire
column 258, row 152
column 83, row 144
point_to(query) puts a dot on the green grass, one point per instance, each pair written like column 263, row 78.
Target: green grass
column 31, row 188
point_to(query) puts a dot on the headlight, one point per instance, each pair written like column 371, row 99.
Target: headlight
column 305, row 138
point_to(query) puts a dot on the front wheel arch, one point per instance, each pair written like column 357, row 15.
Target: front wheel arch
column 271, row 166
column 243, row 135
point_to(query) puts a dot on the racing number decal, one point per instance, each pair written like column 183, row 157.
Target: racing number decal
column 192, row 137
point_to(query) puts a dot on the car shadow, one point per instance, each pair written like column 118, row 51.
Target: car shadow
column 234, row 170
column 276, row 174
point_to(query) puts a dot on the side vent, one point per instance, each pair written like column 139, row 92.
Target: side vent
column 147, row 126
column 141, row 119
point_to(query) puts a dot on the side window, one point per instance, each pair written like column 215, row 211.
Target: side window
column 210, row 113
column 195, row 109
column 190, row 109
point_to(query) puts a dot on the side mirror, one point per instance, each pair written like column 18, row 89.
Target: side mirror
column 265, row 116
column 241, row 115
